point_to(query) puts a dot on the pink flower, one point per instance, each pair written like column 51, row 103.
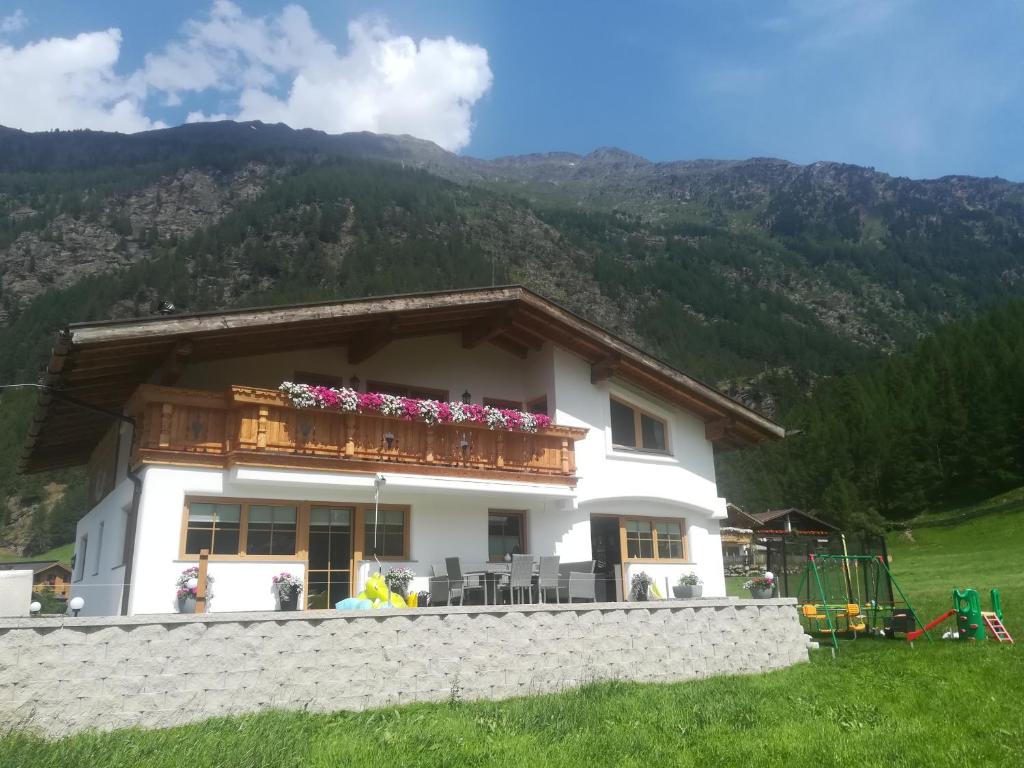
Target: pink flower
column 475, row 412
column 444, row 413
column 411, row 408
column 370, row 401
column 543, row 420
column 514, row 419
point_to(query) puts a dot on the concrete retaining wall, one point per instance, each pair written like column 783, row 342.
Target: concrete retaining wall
column 59, row 676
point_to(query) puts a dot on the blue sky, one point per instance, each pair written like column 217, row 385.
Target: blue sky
column 921, row 88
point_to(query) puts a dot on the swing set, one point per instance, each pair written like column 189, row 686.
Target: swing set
column 850, row 595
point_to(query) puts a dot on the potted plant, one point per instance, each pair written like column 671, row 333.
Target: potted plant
column 188, row 587
column 761, row 587
column 689, row 586
column 641, row 585
column 398, row 580
column 288, row 590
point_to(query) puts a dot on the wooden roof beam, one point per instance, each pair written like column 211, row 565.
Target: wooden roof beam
column 382, row 334
column 174, row 364
column 511, row 346
column 476, row 334
column 605, row 368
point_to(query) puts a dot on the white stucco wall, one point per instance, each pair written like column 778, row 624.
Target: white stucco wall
column 99, row 580
column 438, row 362
column 448, row 518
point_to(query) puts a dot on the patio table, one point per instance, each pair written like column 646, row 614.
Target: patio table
column 491, row 574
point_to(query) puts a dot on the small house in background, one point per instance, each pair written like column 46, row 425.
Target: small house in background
column 46, row 574
column 741, row 553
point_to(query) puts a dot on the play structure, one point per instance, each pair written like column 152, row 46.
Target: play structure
column 847, row 595
column 971, row 621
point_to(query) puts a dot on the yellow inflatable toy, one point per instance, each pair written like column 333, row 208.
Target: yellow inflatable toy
column 376, row 591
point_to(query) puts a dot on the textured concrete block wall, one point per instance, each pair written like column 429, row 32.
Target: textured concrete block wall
column 59, row 676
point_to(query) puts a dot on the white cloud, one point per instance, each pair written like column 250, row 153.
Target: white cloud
column 276, row 68
column 280, row 69
column 16, row 22
column 65, row 83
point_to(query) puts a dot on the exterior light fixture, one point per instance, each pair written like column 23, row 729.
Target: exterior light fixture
column 76, row 604
column 353, row 383
column 466, row 397
column 192, row 584
column 35, row 607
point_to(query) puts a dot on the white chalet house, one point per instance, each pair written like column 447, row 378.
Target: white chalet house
column 191, row 445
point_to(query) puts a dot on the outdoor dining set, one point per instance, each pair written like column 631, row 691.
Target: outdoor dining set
column 523, row 579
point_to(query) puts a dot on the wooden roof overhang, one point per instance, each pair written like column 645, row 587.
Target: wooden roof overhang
column 102, row 363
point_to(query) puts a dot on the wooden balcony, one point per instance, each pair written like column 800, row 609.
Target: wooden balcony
column 260, row 427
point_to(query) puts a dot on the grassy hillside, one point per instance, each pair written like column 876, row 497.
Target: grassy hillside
column 880, row 703
column 982, row 553
column 62, row 554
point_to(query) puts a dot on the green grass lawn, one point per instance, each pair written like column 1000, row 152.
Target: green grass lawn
column 62, row 554
column 879, row 703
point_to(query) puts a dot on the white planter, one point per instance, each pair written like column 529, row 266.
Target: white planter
column 688, row 591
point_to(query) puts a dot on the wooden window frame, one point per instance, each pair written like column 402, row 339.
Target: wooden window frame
column 638, row 429
column 302, row 530
column 503, row 403
column 532, row 403
column 685, row 539
column 523, row 537
column 440, row 395
column 361, row 510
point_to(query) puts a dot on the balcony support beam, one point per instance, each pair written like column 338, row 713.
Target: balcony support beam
column 382, row 334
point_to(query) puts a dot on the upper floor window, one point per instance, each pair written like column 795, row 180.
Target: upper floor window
column 407, row 390
column 318, row 379
column 497, row 402
column 634, row 428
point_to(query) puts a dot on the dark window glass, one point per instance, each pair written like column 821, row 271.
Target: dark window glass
column 330, row 554
column 623, row 425
column 271, row 530
column 387, row 537
column 214, row 527
column 653, row 433
column 508, row 405
column 639, row 539
column 504, row 534
column 538, row 405
column 670, row 540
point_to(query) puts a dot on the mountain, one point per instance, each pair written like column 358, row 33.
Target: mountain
column 760, row 275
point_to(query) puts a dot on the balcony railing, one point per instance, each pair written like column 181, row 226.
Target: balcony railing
column 246, row 425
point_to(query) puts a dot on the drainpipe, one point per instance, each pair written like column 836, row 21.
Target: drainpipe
column 131, row 523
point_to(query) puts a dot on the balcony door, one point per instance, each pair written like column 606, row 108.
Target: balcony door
column 329, row 573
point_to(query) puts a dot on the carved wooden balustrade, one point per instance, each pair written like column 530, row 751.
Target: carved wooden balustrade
column 246, row 425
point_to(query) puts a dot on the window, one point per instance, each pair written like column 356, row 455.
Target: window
column 318, row 379
column 506, row 533
column 407, row 390
column 654, row 539
column 215, row 527
column 386, row 533
column 497, row 402
column 633, row 428
column 99, row 551
column 538, row 405
column 83, row 548
column 271, row 530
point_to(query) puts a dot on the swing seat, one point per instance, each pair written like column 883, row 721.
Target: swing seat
column 854, row 618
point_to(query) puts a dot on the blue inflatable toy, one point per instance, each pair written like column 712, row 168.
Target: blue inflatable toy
column 353, row 604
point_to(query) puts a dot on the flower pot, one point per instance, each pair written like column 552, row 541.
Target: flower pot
column 761, row 593
column 640, row 595
column 289, row 602
column 688, row 591
column 186, row 605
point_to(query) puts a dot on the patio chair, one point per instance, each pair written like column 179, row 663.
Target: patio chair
column 438, row 585
column 582, row 586
column 547, row 578
column 520, row 578
column 458, row 584
column 564, row 569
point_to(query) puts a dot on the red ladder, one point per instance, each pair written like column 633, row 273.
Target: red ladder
column 995, row 626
